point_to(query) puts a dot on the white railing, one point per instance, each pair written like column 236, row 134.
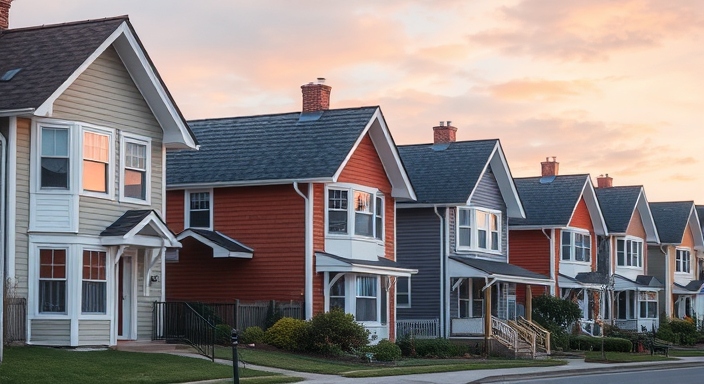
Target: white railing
column 525, row 334
column 467, row 327
column 542, row 335
column 504, row 333
column 419, row 328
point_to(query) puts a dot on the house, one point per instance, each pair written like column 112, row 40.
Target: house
column 634, row 304
column 294, row 206
column 558, row 237
column 85, row 121
column 456, row 235
column 678, row 261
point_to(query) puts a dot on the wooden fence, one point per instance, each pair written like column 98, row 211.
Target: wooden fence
column 15, row 321
column 241, row 315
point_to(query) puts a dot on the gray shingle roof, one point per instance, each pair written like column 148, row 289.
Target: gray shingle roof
column 127, row 222
column 648, row 281
column 591, row 278
column 498, row 268
column 549, row 204
column 380, row 262
column 692, row 286
column 700, row 213
column 268, row 147
column 671, row 219
column 221, row 240
column 617, row 205
column 447, row 175
column 48, row 55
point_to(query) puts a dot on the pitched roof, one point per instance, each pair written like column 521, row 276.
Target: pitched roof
column 700, row 214
column 223, row 246
column 671, row 219
column 549, row 204
column 617, row 205
column 48, row 56
column 126, row 222
column 268, row 147
column 446, row 173
column 222, row 240
column 498, row 268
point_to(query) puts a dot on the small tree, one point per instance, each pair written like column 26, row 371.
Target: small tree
column 555, row 315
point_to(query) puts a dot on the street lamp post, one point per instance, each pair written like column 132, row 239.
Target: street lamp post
column 607, row 287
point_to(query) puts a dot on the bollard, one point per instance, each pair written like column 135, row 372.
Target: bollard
column 235, row 362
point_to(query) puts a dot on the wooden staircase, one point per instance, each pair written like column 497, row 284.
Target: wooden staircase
column 523, row 338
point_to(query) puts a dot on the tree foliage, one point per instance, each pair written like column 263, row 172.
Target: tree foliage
column 551, row 312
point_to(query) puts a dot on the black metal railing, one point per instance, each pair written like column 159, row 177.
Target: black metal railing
column 180, row 322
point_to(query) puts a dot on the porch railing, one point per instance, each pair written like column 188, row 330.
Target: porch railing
column 15, row 321
column 504, row 333
column 420, row 328
column 527, row 335
column 180, row 322
column 542, row 335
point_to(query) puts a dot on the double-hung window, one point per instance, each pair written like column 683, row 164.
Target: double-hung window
column 363, row 214
column 471, row 298
column 366, row 299
column 94, row 287
column 682, row 261
column 337, row 294
column 403, row 292
column 379, row 218
column 648, row 304
column 55, row 158
column 96, row 162
column 629, row 253
column 576, row 246
column 199, row 209
column 478, row 230
column 362, row 217
column 136, row 172
column 52, row 281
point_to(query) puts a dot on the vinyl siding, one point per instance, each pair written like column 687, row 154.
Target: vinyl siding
column 530, row 250
column 22, row 206
column 51, row 332
column 145, row 304
column 418, row 247
column 105, row 95
column 656, row 267
column 93, row 332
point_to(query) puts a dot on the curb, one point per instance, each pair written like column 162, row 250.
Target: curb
column 582, row 371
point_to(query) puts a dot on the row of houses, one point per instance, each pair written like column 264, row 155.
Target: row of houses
column 112, row 201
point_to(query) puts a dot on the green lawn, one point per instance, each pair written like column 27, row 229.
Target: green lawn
column 624, row 357
column 51, row 365
column 686, row 352
column 304, row 363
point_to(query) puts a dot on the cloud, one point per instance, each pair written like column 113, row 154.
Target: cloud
column 540, row 89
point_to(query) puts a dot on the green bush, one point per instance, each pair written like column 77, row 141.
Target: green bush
column 223, row 333
column 555, row 315
column 678, row 331
column 386, row 351
column 611, row 344
column 334, row 332
column 252, row 335
column 287, row 333
column 440, row 348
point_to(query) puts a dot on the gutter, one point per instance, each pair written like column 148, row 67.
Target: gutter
column 15, row 112
column 308, row 284
column 248, row 183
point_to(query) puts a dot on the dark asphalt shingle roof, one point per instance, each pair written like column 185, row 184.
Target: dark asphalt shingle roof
column 549, row 204
column 127, row 222
column 48, row 55
column 446, row 173
column 498, row 268
column 617, row 205
column 671, row 219
column 591, row 278
column 700, row 214
column 380, row 262
column 692, row 286
column 648, row 281
column 268, row 147
column 221, row 240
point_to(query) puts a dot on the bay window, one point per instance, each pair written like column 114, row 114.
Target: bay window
column 94, row 287
column 682, row 261
column 363, row 217
column 575, row 246
column 96, row 162
column 629, row 253
column 337, row 294
column 55, row 158
column 366, row 299
column 363, row 214
column 52, row 281
column 648, row 304
column 478, row 230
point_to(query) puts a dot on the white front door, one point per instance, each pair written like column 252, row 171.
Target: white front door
column 126, row 298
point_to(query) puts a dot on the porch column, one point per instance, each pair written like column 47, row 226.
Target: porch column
column 487, row 319
column 529, row 303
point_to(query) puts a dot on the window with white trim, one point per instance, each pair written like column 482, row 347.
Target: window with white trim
column 55, row 158
column 478, row 230
column 366, row 305
column 96, row 161
column 403, row 292
column 199, row 210
column 682, row 261
column 52, row 280
column 135, row 169
column 648, row 304
column 629, row 252
column 364, row 217
column 575, row 246
column 471, row 298
column 94, row 286
column 337, row 294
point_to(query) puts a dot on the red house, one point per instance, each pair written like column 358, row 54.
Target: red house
column 560, row 236
column 294, row 206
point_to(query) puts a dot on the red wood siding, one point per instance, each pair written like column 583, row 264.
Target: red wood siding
column 270, row 219
column 530, row 250
column 174, row 210
column 581, row 218
column 318, row 244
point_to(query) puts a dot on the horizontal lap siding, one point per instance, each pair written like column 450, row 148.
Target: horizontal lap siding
column 418, row 247
column 530, row 250
column 269, row 219
column 318, row 245
column 51, row 332
column 22, row 206
column 94, row 332
column 175, row 210
column 145, row 304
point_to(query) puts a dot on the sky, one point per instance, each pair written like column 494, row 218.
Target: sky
column 606, row 86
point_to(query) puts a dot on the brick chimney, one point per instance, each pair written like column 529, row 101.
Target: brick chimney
column 316, row 96
column 604, row 181
column 5, row 14
column 550, row 168
column 444, row 133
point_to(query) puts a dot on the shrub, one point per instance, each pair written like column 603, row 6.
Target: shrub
column 386, row 351
column 223, row 333
column 555, row 315
column 441, row 348
column 287, row 333
column 611, row 344
column 252, row 335
column 678, row 331
column 272, row 315
column 335, row 331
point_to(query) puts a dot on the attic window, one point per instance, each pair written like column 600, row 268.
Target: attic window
column 10, row 74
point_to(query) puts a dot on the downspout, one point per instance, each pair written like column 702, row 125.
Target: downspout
column 3, row 180
column 11, row 212
column 443, row 283
column 308, row 284
column 668, row 283
column 551, row 239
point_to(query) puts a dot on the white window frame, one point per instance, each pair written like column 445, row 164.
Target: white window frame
column 350, row 283
column 628, row 243
column 376, row 297
column 406, row 294
column 474, row 230
column 187, row 208
column 139, row 140
column 38, row 279
column 376, row 197
column 107, row 285
column 110, row 133
column 644, row 300
column 73, row 154
column 573, row 246
column 680, row 262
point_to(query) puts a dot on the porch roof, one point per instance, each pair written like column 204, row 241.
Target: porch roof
column 140, row 227
column 223, row 246
column 642, row 283
column 326, row 262
column 565, row 281
column 692, row 288
column 470, row 267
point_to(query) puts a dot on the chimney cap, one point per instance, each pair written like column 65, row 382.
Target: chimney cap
column 321, row 80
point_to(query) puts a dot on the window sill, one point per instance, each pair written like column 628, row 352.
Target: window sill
column 629, row 267
column 683, row 273
column 366, row 239
column 130, row 200
column 50, row 316
column 470, row 250
column 98, row 195
column 575, row 262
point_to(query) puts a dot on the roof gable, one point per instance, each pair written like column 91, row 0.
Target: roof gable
column 620, row 204
column 672, row 218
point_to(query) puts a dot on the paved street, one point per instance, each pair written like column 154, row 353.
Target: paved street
column 692, row 375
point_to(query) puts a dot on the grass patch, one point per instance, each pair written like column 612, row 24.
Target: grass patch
column 686, row 352
column 623, row 357
column 51, row 365
column 290, row 361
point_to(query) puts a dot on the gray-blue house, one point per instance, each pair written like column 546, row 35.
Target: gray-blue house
column 456, row 236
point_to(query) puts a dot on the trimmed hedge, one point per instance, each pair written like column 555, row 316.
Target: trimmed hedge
column 611, row 344
column 386, row 351
column 287, row 333
column 331, row 333
column 252, row 335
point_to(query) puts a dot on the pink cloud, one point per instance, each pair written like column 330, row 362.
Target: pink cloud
column 540, row 89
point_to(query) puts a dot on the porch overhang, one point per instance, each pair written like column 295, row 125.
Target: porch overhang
column 326, row 262
column 570, row 282
column 462, row 267
column 222, row 246
column 693, row 288
column 642, row 283
column 142, row 228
